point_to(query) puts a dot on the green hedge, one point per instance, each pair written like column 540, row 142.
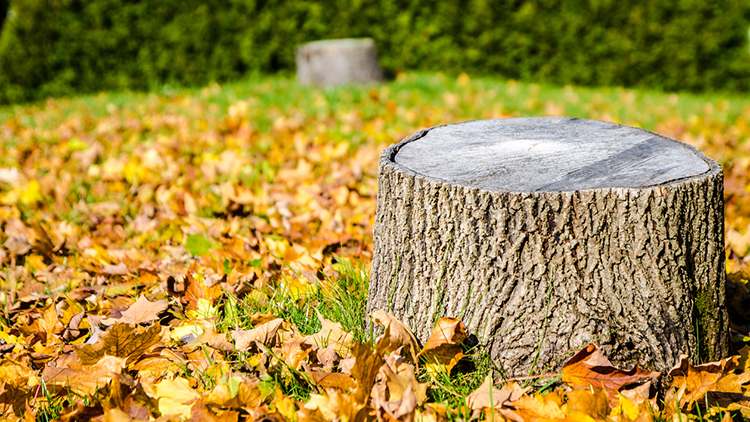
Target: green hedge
column 65, row 47
column 4, row 4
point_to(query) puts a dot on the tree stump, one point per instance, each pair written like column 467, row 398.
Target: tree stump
column 337, row 62
column 546, row 234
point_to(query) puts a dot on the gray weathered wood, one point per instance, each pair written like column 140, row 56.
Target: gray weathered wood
column 617, row 229
column 336, row 62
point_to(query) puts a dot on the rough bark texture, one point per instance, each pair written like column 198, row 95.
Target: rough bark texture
column 337, row 62
column 633, row 269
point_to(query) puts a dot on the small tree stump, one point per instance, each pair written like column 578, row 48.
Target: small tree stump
column 555, row 232
column 337, row 62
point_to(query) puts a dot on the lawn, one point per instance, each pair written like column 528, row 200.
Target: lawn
column 203, row 254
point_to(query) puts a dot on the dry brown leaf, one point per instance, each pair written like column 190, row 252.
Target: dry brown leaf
column 587, row 401
column 365, row 369
column 589, row 367
column 82, row 378
column 328, row 379
column 216, row 340
column 141, row 311
column 294, row 352
column 264, row 334
column 13, row 398
column 258, row 318
column 195, row 290
column 331, row 333
column 119, row 269
column 537, row 407
column 120, row 340
column 335, row 406
column 175, row 397
column 480, row 398
column 396, row 392
column 199, row 413
column 397, row 334
column 692, row 383
column 443, row 349
column 402, row 409
column 395, row 376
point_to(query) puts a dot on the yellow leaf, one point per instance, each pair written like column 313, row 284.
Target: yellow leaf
column 443, row 349
column 175, row 397
column 32, row 194
column 196, row 329
column 744, row 362
column 204, row 310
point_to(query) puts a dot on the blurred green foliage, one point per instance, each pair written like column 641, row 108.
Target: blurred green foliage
column 62, row 47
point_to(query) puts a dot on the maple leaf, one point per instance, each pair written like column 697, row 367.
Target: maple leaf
column 84, row 378
column 537, row 407
column 587, row 402
column 487, row 396
column 141, row 311
column 331, row 333
column 337, row 406
column 13, row 398
column 396, row 392
column 589, row 367
column 366, row 367
column 330, row 379
column 691, row 383
column 397, row 334
column 175, row 397
column 120, row 340
column 294, row 352
column 443, row 349
column 264, row 334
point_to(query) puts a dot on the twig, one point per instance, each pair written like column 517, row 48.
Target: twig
column 527, row 378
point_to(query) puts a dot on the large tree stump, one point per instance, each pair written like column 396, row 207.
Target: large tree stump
column 555, row 232
column 336, row 62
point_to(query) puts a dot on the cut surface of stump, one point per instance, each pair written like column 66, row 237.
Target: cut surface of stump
column 338, row 62
column 546, row 234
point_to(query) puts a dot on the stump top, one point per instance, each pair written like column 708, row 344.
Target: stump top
column 549, row 154
column 338, row 44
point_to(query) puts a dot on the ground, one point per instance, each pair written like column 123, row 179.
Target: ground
column 203, row 253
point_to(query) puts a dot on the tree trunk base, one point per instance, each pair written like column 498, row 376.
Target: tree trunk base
column 587, row 253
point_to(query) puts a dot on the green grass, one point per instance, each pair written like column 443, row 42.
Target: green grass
column 266, row 96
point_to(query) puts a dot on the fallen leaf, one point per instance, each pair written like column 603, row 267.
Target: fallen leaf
column 589, row 367
column 143, row 310
column 336, row 406
column 331, row 333
column 690, row 383
column 264, row 334
column 397, row 333
column 587, row 402
column 443, row 349
column 175, row 397
column 83, row 378
column 195, row 290
column 119, row 269
column 488, row 396
column 120, row 340
column 365, row 369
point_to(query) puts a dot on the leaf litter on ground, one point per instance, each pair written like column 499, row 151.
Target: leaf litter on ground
column 203, row 255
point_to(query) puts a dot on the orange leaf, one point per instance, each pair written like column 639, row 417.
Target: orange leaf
column 589, row 367
column 443, row 348
column 121, row 341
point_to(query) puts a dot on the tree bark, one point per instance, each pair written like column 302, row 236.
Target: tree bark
column 596, row 233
